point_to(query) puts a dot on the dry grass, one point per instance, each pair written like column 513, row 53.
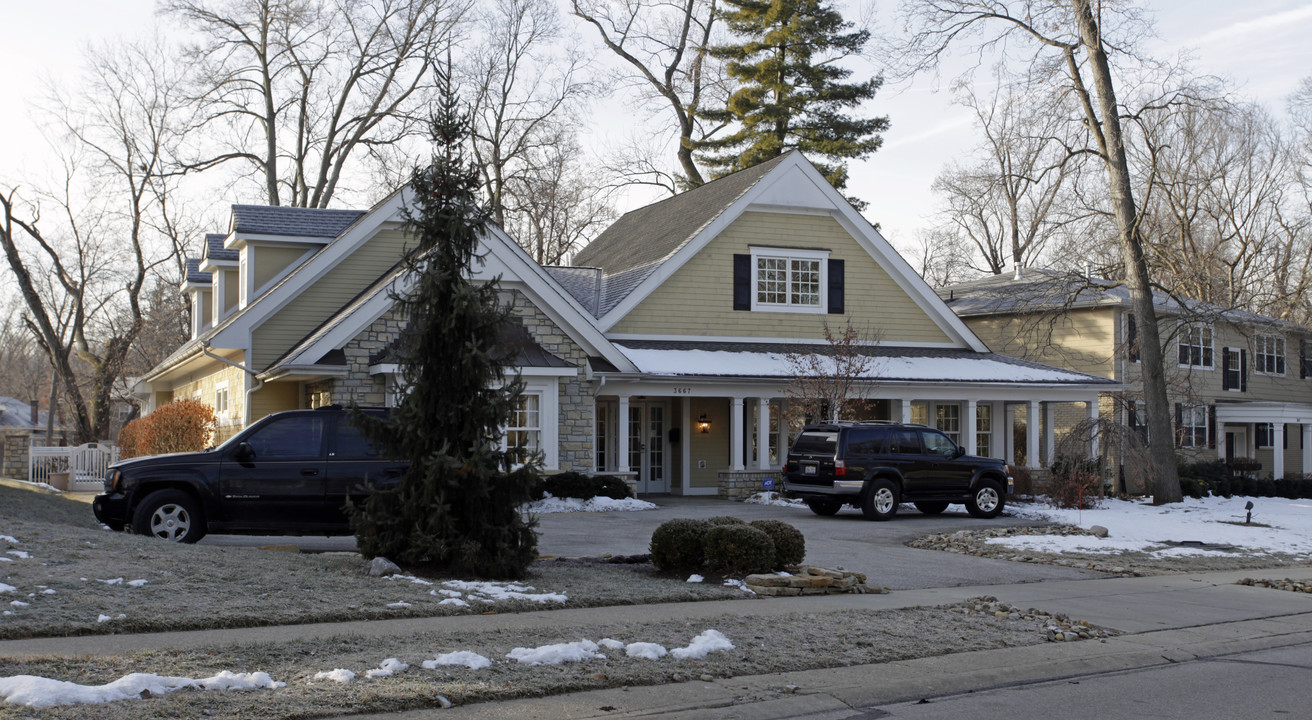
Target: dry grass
column 191, row 587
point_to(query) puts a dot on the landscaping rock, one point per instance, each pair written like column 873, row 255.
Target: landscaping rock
column 809, row 580
column 1098, row 531
column 381, row 567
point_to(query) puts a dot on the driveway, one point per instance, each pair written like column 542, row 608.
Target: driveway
column 846, row 539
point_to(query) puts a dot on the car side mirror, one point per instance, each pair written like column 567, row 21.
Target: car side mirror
column 960, row 451
column 244, row 452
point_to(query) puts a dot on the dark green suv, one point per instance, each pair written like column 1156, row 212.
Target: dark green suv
column 875, row 466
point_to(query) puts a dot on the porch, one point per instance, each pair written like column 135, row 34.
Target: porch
column 1262, row 431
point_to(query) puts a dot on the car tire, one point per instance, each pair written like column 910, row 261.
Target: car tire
column 928, row 507
column 880, row 501
column 169, row 515
column 824, row 506
column 986, row 500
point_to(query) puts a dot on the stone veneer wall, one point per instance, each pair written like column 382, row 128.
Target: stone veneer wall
column 13, row 454
column 575, row 400
column 742, row 484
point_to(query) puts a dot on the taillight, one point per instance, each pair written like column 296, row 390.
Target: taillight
column 840, row 468
column 788, row 467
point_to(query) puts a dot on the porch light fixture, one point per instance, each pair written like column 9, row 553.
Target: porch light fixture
column 704, row 424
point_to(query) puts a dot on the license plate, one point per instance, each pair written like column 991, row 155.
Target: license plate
column 808, row 469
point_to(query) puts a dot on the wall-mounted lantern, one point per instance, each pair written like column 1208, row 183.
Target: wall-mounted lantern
column 704, row 424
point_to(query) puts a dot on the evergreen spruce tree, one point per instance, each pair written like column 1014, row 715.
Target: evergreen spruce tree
column 791, row 94
column 457, row 507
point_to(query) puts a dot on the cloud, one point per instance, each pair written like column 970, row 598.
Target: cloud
column 1261, row 27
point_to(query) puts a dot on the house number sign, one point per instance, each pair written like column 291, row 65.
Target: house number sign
column 682, row 391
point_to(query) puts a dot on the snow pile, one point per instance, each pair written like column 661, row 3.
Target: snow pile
column 9, row 539
column 454, row 601
column 7, row 588
column 549, row 504
column 695, row 578
column 740, row 584
column 136, row 583
column 399, row 604
column 39, row 692
column 1136, row 525
column 20, row 554
column 493, row 591
column 341, row 675
column 387, row 668
column 106, row 618
column 646, row 651
column 471, row 660
column 704, row 644
column 557, row 654
column 611, row 644
column 774, row 498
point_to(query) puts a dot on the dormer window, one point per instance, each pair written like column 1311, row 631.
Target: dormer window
column 788, row 280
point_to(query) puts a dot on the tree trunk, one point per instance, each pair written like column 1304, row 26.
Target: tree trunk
column 1165, row 482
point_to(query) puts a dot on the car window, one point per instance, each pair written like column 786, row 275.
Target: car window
column 286, row 438
column 939, row 444
column 349, row 443
column 904, row 442
column 865, row 442
column 816, row 442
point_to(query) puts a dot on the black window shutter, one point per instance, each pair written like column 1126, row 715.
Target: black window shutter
column 1302, row 360
column 1211, row 426
column 1225, row 369
column 836, row 287
column 1243, row 370
column 1285, row 435
column 742, row 282
column 1131, row 338
column 1132, row 414
column 1179, row 424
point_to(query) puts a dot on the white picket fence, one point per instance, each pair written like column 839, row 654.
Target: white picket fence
column 87, row 463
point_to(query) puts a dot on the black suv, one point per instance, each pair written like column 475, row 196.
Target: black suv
column 874, row 466
column 289, row 474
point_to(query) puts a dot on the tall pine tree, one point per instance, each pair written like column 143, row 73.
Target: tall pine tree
column 792, row 93
column 457, row 506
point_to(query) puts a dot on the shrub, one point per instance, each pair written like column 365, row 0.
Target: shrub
column 677, row 545
column 180, row 426
column 738, row 549
column 134, row 438
column 1076, row 483
column 577, row 485
column 789, row 543
column 725, row 520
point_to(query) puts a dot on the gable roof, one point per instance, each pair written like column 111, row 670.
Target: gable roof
column 300, row 222
column 1040, row 290
column 214, row 249
column 15, row 413
column 194, row 274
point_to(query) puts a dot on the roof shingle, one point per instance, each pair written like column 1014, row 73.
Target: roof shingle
column 303, row 222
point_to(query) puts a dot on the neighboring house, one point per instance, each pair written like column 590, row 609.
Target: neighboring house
column 1240, row 383
column 660, row 356
column 21, row 426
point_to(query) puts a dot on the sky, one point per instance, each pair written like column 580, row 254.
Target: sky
column 1261, row 45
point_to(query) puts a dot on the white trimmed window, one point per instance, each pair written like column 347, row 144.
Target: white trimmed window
column 1195, row 346
column 524, row 433
column 221, row 399
column 1193, row 425
column 1264, row 435
column 789, row 280
column 1269, row 355
column 984, row 430
column 948, row 420
column 602, row 435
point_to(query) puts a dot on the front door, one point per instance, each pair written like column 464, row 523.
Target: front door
column 648, row 422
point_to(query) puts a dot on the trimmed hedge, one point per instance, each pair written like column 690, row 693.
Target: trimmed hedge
column 738, row 548
column 1200, row 479
column 789, row 542
column 677, row 545
column 726, row 520
column 577, row 485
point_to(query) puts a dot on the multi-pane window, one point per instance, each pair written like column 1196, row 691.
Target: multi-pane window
column 221, row 400
column 1195, row 348
column 1269, row 354
column 1264, row 435
column 788, row 282
column 603, row 436
column 948, row 419
column 524, row 433
column 1193, row 426
column 1234, row 369
column 919, row 414
column 984, row 430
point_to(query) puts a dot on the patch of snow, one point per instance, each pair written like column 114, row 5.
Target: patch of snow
column 695, row 578
column 557, row 654
column 399, row 604
column 137, row 583
column 645, row 651
column 611, row 644
column 39, row 692
column 740, row 584
column 448, row 593
column 1136, row 526
column 774, row 498
column 5, row 559
column 115, row 581
column 106, row 618
column 387, row 668
column 454, row 601
column 9, row 539
column 503, row 591
column 7, row 588
column 411, row 578
column 20, row 554
column 19, row 603
column 47, row 591
column 471, row 660
column 704, row 644
column 549, row 504
column 341, row 675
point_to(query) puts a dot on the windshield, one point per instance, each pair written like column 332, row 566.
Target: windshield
column 816, row 442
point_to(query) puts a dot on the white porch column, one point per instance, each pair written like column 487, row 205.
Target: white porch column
column 685, row 449
column 1307, row 449
column 763, row 433
column 1220, row 442
column 782, row 443
column 903, row 410
column 1278, row 451
column 968, row 429
column 1049, row 432
column 1008, row 433
column 736, row 434
column 1032, row 434
column 1091, row 408
column 622, row 436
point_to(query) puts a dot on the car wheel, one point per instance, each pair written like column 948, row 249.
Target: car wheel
column 823, row 506
column 170, row 515
column 986, row 500
column 931, row 508
column 880, row 501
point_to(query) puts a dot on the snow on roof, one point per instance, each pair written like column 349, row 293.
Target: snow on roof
column 887, row 364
